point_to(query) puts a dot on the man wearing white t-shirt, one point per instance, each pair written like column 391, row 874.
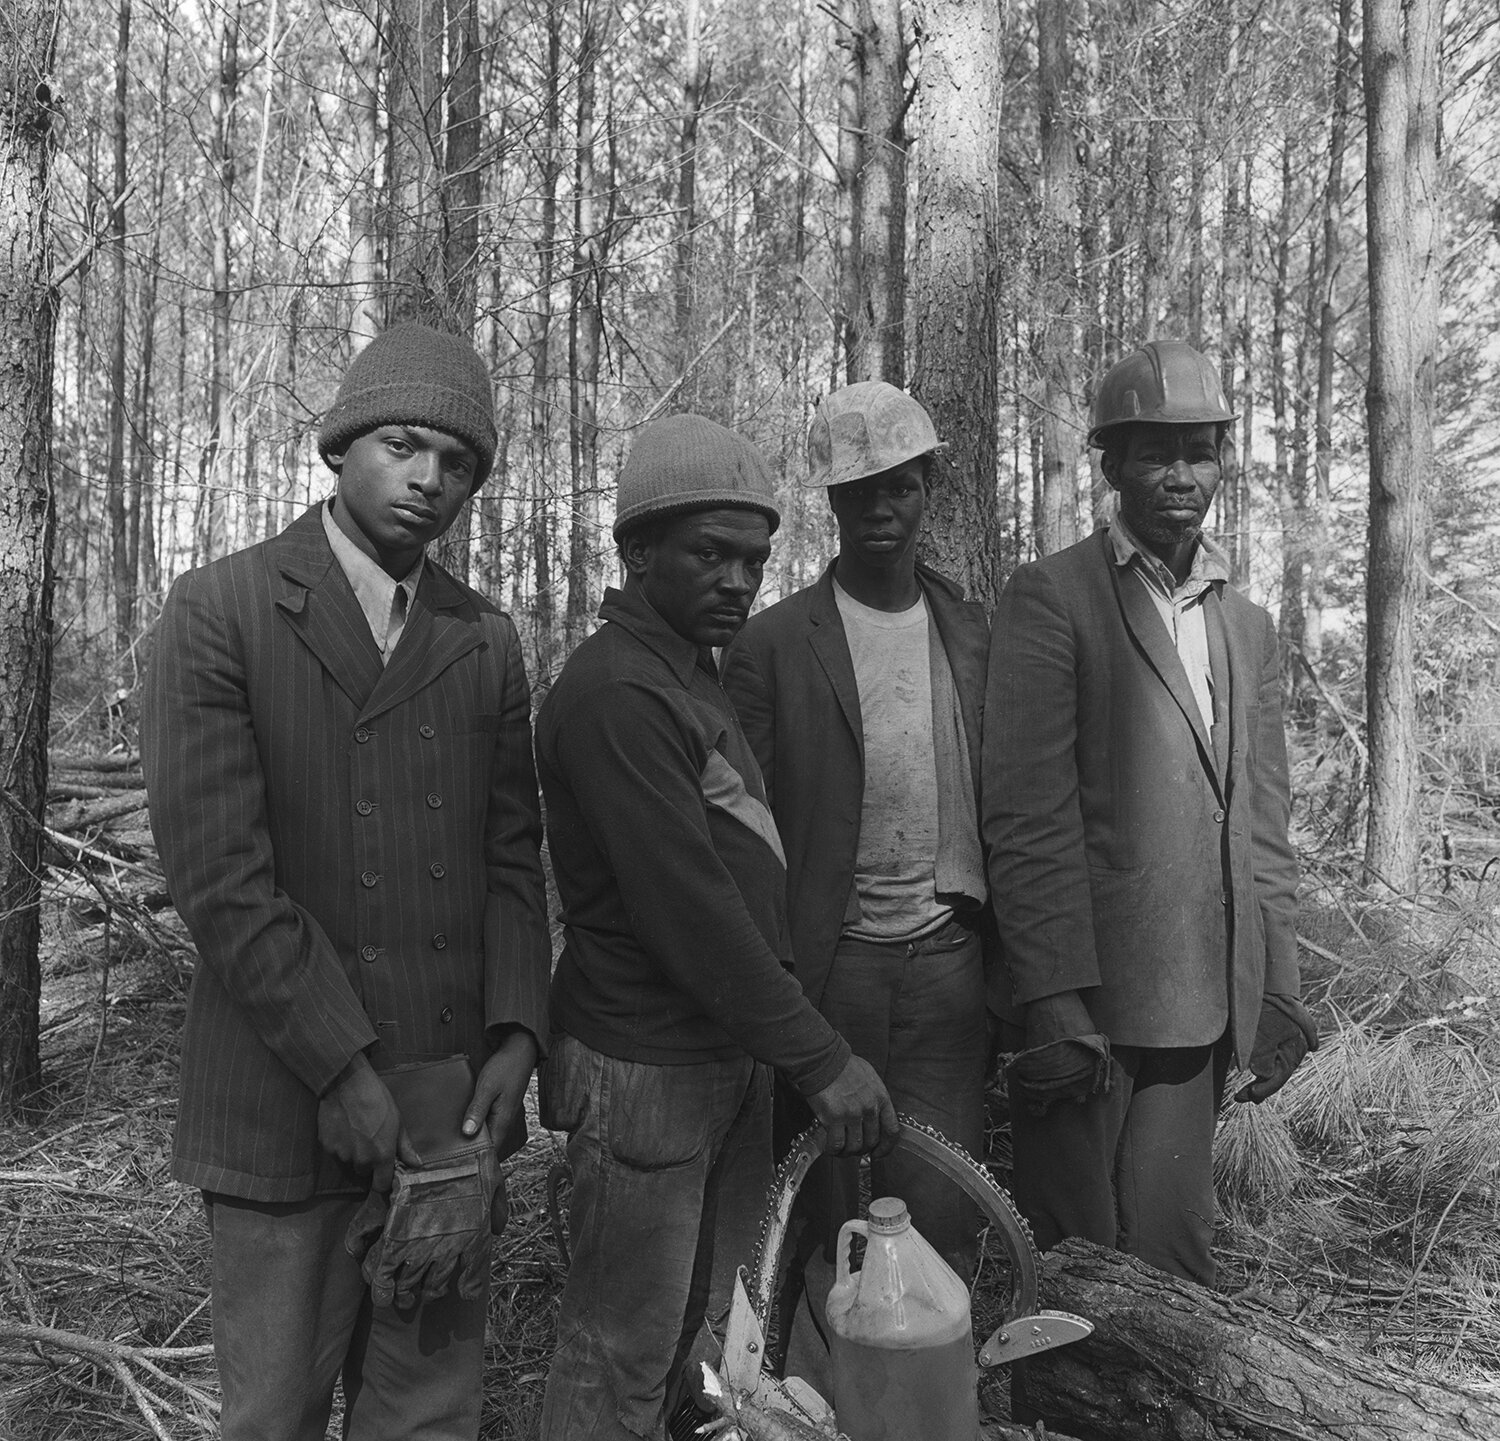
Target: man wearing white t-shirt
column 862, row 697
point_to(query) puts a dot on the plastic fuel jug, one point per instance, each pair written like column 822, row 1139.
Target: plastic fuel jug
column 900, row 1336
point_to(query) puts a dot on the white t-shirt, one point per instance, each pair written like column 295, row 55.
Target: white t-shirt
column 898, row 826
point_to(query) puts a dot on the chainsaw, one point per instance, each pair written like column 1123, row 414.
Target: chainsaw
column 750, row 1396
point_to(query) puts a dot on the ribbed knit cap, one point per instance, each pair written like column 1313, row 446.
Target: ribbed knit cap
column 687, row 462
column 414, row 375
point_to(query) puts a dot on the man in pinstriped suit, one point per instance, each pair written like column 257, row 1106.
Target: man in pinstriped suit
column 337, row 744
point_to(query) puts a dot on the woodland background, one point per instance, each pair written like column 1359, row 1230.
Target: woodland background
column 207, row 207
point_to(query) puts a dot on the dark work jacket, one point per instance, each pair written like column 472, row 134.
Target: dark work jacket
column 792, row 680
column 355, row 850
column 667, row 862
column 1127, row 861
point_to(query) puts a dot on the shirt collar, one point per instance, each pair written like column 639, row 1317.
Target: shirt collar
column 628, row 607
column 372, row 587
column 1210, row 564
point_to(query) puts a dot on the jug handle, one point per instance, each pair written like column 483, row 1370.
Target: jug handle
column 850, row 1229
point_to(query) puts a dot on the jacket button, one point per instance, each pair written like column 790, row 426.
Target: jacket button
column 440, row 942
column 368, row 879
column 369, row 954
column 1218, row 818
column 446, row 1014
column 426, row 732
column 434, row 799
column 437, row 870
column 361, row 735
column 363, row 807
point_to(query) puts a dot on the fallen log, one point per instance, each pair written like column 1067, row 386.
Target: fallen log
column 1169, row 1361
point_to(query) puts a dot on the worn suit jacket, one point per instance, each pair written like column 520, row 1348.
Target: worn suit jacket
column 791, row 678
column 1128, row 860
column 354, row 849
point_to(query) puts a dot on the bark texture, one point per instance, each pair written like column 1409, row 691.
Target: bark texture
column 951, row 302
column 1400, row 62
column 27, row 324
column 1169, row 1361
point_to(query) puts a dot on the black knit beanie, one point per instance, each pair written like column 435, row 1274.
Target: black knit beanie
column 414, row 375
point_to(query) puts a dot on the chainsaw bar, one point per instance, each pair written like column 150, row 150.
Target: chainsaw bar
column 934, row 1148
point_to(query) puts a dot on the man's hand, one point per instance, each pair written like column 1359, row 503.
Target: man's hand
column 857, row 1112
column 359, row 1123
column 1057, row 1018
column 500, row 1093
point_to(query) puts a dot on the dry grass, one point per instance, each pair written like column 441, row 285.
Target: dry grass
column 1367, row 1193
column 1363, row 1198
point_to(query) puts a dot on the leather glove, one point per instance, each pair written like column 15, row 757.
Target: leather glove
column 433, row 1233
column 1071, row 1069
column 1283, row 1036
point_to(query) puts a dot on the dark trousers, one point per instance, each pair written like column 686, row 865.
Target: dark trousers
column 1131, row 1169
column 292, row 1316
column 916, row 1013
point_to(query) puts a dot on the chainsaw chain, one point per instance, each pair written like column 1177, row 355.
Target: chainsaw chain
column 974, row 1178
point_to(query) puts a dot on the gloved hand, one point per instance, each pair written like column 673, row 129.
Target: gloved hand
column 1070, row 1069
column 1283, row 1036
column 433, row 1232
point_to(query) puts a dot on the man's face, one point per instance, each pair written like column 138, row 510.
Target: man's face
column 1166, row 476
column 879, row 515
column 703, row 572
column 400, row 486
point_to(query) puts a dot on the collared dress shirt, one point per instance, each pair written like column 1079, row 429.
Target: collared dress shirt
column 384, row 601
column 1180, row 606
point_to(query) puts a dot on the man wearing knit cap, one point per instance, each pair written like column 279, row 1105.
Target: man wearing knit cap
column 672, row 997
column 861, row 696
column 336, row 743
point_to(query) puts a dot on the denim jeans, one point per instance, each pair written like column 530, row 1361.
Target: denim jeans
column 671, row 1170
column 293, row 1315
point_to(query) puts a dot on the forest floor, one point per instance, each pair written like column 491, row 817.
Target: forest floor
column 1363, row 1200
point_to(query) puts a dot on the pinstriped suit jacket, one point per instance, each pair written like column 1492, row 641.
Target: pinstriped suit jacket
column 354, row 849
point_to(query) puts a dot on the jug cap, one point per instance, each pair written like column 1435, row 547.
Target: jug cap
column 888, row 1215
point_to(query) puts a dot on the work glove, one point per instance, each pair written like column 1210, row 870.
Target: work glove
column 1071, row 1069
column 433, row 1231
column 1284, row 1035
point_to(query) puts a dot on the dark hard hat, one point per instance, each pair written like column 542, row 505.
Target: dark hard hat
column 1165, row 382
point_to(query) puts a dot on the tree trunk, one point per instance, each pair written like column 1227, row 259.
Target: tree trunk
column 696, row 73
column 539, row 449
column 123, row 581
column 1319, row 548
column 878, row 317
column 1062, row 427
column 955, row 280
column 1169, row 1361
column 1401, row 95
column 848, row 159
column 28, row 320
column 591, row 241
column 210, row 531
column 1233, row 287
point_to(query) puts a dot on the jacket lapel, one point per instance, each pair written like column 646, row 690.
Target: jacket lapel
column 1144, row 623
column 320, row 605
column 831, row 647
column 965, row 632
column 1232, row 677
column 438, row 631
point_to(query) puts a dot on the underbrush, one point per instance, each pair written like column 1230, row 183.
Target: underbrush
column 1363, row 1199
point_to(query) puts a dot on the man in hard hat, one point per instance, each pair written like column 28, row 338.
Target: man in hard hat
column 861, row 696
column 337, row 743
column 672, row 997
column 1135, row 809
